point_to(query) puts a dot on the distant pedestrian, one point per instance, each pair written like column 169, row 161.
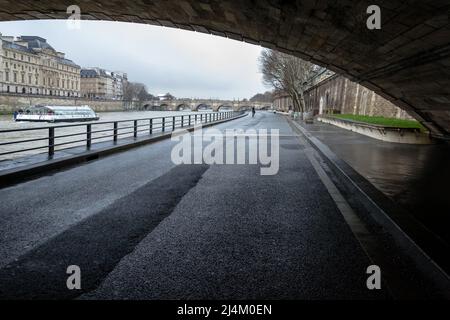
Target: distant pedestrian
column 15, row 114
column 253, row 111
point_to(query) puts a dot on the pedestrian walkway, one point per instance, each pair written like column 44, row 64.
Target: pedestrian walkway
column 140, row 227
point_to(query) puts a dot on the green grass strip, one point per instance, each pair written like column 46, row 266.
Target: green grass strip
column 391, row 122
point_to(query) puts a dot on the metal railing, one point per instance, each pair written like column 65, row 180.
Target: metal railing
column 86, row 133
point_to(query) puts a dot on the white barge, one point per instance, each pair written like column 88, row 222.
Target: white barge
column 42, row 113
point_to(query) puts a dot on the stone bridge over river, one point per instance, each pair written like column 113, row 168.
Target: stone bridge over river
column 201, row 104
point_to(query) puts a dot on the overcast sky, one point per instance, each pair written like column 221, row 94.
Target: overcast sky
column 184, row 63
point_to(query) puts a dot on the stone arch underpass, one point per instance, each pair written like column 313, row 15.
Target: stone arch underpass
column 203, row 107
column 152, row 107
column 407, row 61
column 225, row 107
column 183, row 106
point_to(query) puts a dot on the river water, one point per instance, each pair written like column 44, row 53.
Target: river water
column 7, row 123
column 414, row 176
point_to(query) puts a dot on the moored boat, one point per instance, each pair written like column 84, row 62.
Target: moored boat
column 41, row 113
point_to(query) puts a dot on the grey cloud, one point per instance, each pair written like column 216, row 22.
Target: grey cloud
column 188, row 64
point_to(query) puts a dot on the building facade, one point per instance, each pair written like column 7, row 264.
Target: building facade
column 119, row 82
column 282, row 101
column 97, row 83
column 319, row 75
column 337, row 94
column 29, row 65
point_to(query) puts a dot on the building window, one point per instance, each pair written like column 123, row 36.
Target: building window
column 15, row 77
column 6, row 76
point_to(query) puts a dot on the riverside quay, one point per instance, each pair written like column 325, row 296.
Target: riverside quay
column 249, row 152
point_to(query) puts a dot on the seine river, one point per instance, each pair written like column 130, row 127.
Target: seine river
column 7, row 123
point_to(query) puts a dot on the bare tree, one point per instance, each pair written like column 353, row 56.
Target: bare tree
column 136, row 91
column 288, row 74
column 142, row 93
column 263, row 97
column 168, row 96
column 129, row 91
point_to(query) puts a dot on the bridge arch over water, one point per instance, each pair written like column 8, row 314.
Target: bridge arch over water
column 203, row 106
column 183, row 106
column 152, row 107
column 225, row 108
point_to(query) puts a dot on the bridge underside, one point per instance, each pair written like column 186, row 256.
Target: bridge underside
column 407, row 61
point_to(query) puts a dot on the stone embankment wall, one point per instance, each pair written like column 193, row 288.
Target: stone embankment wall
column 337, row 94
column 9, row 103
column 385, row 133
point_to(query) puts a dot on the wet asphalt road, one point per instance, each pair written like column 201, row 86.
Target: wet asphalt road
column 140, row 227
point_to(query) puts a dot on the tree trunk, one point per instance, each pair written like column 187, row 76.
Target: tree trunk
column 302, row 101
column 298, row 103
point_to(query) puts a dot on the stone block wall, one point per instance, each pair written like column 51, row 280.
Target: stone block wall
column 9, row 103
column 337, row 94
